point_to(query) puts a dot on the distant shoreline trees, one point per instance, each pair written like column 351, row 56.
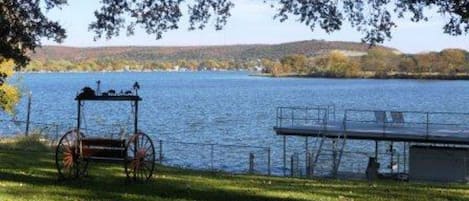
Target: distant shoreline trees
column 377, row 63
column 95, row 65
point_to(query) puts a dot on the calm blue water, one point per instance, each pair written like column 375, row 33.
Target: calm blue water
column 226, row 107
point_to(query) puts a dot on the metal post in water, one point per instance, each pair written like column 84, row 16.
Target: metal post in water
column 306, row 156
column 291, row 165
column 284, row 155
column 428, row 121
column 161, row 152
column 211, row 156
column 376, row 150
column 56, row 132
column 334, row 158
column 268, row 162
column 391, row 163
column 29, row 113
column 344, row 121
column 405, row 157
column 308, row 165
column 251, row 163
column 311, row 165
column 398, row 163
column 294, row 164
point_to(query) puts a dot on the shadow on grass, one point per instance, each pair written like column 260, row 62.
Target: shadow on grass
column 115, row 189
column 107, row 182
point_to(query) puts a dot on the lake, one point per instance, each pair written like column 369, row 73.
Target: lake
column 225, row 108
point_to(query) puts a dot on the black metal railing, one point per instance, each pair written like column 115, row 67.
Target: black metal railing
column 418, row 122
column 304, row 116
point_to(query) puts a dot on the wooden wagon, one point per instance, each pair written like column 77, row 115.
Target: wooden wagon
column 75, row 150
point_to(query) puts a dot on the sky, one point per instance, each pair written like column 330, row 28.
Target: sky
column 251, row 23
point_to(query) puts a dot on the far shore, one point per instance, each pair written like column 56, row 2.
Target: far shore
column 363, row 75
column 371, row 75
column 129, row 71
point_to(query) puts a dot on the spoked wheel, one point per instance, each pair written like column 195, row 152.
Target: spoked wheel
column 69, row 165
column 140, row 160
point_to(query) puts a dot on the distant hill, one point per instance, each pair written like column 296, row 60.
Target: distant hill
column 222, row 52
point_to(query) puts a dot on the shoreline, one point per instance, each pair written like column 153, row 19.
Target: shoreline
column 130, row 71
column 365, row 75
column 398, row 76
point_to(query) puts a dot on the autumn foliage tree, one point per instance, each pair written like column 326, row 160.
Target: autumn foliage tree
column 9, row 94
column 452, row 60
column 407, row 64
column 380, row 61
column 337, row 64
column 427, row 63
column 295, row 63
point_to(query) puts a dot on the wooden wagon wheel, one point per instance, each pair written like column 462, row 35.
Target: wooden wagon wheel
column 69, row 164
column 140, row 160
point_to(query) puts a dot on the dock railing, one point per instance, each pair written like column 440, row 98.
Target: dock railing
column 305, row 116
column 396, row 124
column 417, row 122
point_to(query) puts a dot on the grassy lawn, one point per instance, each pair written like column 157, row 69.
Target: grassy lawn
column 31, row 175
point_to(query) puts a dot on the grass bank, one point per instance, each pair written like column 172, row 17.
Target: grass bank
column 31, row 175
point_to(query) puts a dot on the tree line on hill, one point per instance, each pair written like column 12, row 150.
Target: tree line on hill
column 88, row 65
column 221, row 52
column 59, row 58
column 377, row 63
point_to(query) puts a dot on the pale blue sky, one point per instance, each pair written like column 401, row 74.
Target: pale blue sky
column 251, row 22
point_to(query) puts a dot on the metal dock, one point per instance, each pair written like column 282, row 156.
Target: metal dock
column 409, row 126
column 326, row 134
